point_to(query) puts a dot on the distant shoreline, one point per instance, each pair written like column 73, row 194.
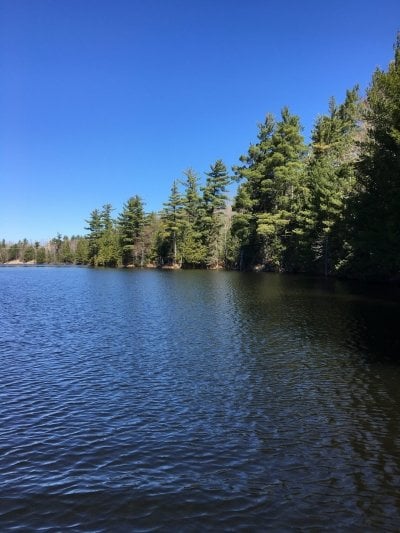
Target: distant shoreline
column 17, row 262
column 394, row 282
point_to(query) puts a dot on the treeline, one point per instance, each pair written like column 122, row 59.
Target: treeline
column 60, row 249
column 329, row 207
column 192, row 230
column 332, row 207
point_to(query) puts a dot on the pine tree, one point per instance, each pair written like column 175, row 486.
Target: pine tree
column 171, row 216
column 82, row 251
column 3, row 251
column 331, row 174
column 95, row 229
column 40, row 255
column 109, row 248
column 66, row 254
column 56, row 244
column 269, row 201
column 151, row 233
column 131, row 224
column 214, row 219
column 192, row 249
column 215, row 190
column 374, row 215
column 104, row 249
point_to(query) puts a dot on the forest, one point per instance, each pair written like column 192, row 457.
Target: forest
column 329, row 207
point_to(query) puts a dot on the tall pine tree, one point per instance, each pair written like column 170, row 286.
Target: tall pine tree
column 269, row 201
column 169, row 240
column 331, row 175
column 214, row 218
column 374, row 217
column 131, row 230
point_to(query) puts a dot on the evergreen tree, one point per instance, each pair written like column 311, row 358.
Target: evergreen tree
column 66, row 254
column 53, row 249
column 13, row 252
column 82, row 251
column 331, row 174
column 131, row 224
column 40, row 255
column 269, row 202
column 172, row 217
column 104, row 249
column 214, row 220
column 191, row 197
column 151, row 233
column 215, row 190
column 192, row 249
column 109, row 248
column 95, row 229
column 29, row 254
column 374, row 214
column 3, row 252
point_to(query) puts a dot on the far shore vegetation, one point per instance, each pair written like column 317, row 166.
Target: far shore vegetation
column 331, row 207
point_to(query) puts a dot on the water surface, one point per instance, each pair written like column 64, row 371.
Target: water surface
column 197, row 401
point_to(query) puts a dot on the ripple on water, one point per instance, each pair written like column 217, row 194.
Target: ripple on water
column 232, row 403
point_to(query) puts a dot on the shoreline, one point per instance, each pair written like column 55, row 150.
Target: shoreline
column 394, row 282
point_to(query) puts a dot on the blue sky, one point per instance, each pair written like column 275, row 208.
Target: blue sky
column 104, row 99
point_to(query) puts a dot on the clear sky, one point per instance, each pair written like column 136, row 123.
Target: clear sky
column 104, row 99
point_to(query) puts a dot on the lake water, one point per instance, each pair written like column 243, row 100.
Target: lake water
column 197, row 401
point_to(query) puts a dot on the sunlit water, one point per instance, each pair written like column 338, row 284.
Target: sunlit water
column 196, row 401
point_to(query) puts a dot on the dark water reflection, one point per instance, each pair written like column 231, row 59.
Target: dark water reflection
column 197, row 401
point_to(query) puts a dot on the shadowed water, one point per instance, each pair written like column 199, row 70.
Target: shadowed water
column 197, row 401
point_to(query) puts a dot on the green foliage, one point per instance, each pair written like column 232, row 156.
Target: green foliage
column 215, row 190
column 173, row 221
column 103, row 239
column 41, row 255
column 193, row 225
column 56, row 244
column 13, row 252
column 151, row 233
column 330, row 207
column 214, row 219
column 95, row 229
column 3, row 252
column 131, row 223
column 373, row 240
column 268, row 202
column 109, row 249
column 29, row 254
column 82, row 251
column 330, row 183
column 192, row 250
column 191, row 198
column 66, row 254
